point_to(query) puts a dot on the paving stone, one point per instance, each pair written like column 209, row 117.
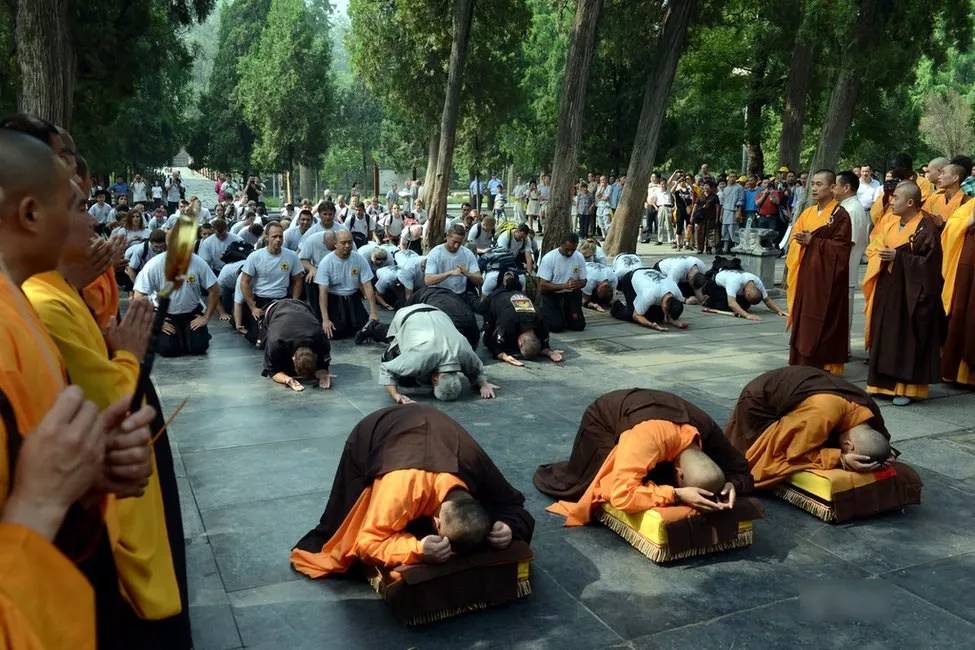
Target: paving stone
column 942, row 456
column 946, row 583
column 214, row 627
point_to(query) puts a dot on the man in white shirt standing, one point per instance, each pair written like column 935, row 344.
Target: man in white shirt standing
column 140, row 191
column 870, row 188
column 845, row 192
column 562, row 275
column 269, row 274
column 185, row 328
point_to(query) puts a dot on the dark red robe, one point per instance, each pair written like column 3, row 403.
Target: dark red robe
column 960, row 343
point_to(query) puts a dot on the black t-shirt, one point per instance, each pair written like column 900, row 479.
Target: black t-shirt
column 291, row 325
column 683, row 199
column 509, row 313
column 253, row 193
column 707, row 208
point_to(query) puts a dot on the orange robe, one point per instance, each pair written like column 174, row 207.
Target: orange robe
column 798, row 440
column 927, row 187
column 942, row 207
column 374, row 531
column 811, row 219
column 45, row 602
column 952, row 240
column 102, row 297
column 619, row 481
column 953, row 237
column 879, row 212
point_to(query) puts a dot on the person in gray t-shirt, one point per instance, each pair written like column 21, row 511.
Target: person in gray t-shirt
column 269, row 274
column 341, row 277
column 451, row 266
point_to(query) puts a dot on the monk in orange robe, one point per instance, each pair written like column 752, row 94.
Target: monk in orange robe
column 958, row 296
column 55, row 439
column 905, row 318
column 102, row 298
column 801, row 418
column 412, row 486
column 819, row 268
column 928, row 181
column 949, row 197
column 881, row 209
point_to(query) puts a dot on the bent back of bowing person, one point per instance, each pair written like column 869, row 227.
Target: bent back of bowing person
column 512, row 327
column 295, row 345
column 649, row 298
column 736, row 291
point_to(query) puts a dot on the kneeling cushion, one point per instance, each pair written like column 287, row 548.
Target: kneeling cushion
column 424, row 593
column 836, row 495
column 674, row 533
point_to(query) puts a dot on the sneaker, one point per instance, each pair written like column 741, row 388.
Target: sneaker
column 900, row 400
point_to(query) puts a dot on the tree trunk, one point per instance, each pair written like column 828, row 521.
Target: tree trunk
column 46, row 60
column 433, row 150
column 437, row 211
column 754, row 124
column 572, row 104
column 843, row 99
column 800, row 74
column 626, row 222
column 287, row 186
column 306, row 182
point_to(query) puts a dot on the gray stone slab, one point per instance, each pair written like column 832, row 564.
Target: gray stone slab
column 946, row 583
column 913, row 421
column 251, row 543
column 958, row 410
column 911, row 622
column 214, row 627
column 942, row 456
column 192, row 524
column 335, row 613
column 636, row 597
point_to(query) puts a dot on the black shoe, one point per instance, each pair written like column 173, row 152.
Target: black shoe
column 365, row 333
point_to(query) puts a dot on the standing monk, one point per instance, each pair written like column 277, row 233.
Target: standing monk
column 958, row 296
column 819, row 272
column 928, row 181
column 949, row 197
column 902, row 287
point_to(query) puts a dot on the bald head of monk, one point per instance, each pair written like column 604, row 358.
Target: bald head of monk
column 934, row 169
column 864, row 440
column 35, row 198
column 694, row 468
column 462, row 520
column 906, row 200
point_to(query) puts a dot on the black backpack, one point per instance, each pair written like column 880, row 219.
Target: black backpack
column 499, row 259
column 237, row 251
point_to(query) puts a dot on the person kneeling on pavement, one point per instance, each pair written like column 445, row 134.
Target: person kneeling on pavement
column 459, row 311
column 562, row 275
column 295, row 345
column 649, row 298
column 341, row 276
column 512, row 327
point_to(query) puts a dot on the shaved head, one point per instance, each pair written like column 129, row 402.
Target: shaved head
column 529, row 345
column 752, row 294
column 906, row 199
column 866, row 441
column 952, row 176
column 463, row 521
column 694, row 468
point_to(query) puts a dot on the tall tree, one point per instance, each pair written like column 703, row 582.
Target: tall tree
column 558, row 221
column 797, row 86
column 437, row 212
column 290, row 116
column 46, row 59
column 626, row 222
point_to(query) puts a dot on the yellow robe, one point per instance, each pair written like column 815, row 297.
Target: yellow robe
column 102, row 297
column 797, row 440
column 952, row 240
column 927, row 187
column 374, row 530
column 136, row 526
column 620, row 479
column 887, row 234
column 45, row 602
column 878, row 212
column 941, row 207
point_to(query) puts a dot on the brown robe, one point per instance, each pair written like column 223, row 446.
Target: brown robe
column 421, row 437
column 907, row 323
column 960, row 344
column 621, row 410
column 773, row 394
column 820, row 312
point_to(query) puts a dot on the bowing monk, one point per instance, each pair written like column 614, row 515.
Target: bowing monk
column 819, row 268
column 411, row 486
column 58, row 456
column 800, row 418
column 639, row 449
column 949, row 197
column 958, row 296
column 146, row 532
column 902, row 287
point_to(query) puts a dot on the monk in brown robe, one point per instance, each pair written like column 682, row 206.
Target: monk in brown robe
column 905, row 318
column 818, row 270
column 958, row 240
column 644, row 432
column 411, row 486
column 949, row 197
column 800, row 418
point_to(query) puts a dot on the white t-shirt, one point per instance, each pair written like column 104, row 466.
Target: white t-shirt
column 271, row 274
column 386, row 278
column 227, row 278
column 343, row 277
column 172, row 190
column 410, row 271
column 186, row 299
column 393, row 224
column 319, row 229
column 596, row 273
column 507, row 240
column 138, row 191
column 360, row 225
column 491, row 282
column 676, row 268
column 625, row 263
column 134, row 253
column 734, row 281
column 440, row 260
column 559, row 269
column 212, row 249
column 480, row 236
column 367, row 251
column 157, row 191
column 650, row 287
column 860, row 223
column 868, row 193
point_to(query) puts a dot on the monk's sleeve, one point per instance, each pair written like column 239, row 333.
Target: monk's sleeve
column 639, row 450
column 796, row 441
column 397, row 499
column 45, row 602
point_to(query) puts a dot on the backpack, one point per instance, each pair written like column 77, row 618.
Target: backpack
column 499, row 259
column 507, row 226
column 237, row 251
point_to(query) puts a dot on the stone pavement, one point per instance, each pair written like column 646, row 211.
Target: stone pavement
column 256, row 461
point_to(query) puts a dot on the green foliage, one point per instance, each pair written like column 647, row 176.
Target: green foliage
column 353, row 138
column 285, row 85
